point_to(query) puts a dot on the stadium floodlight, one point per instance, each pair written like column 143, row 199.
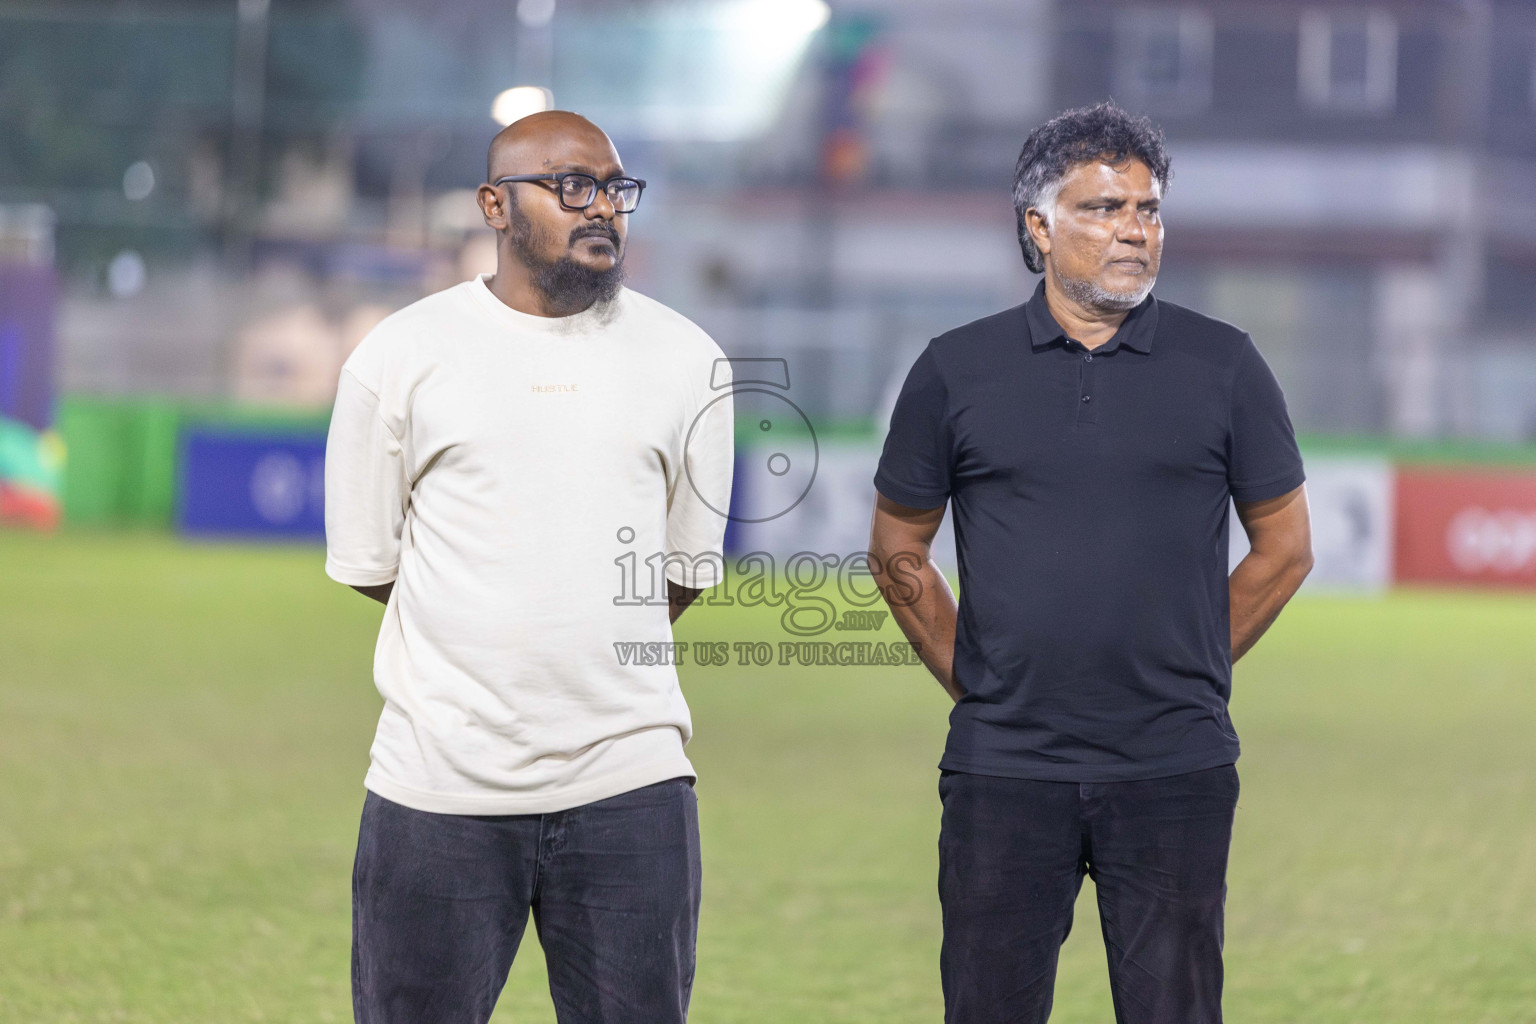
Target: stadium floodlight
column 535, row 13
column 802, row 18
column 519, row 102
column 722, row 70
column 781, row 27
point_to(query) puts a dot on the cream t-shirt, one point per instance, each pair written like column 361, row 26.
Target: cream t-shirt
column 507, row 471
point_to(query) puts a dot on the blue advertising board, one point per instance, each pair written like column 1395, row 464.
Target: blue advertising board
column 252, row 485
column 28, row 297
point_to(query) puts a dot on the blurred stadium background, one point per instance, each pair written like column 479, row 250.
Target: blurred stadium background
column 205, row 205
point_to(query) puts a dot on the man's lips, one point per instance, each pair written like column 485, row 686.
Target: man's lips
column 1129, row 264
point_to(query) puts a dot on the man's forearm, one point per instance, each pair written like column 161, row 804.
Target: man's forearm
column 924, row 607
column 1258, row 589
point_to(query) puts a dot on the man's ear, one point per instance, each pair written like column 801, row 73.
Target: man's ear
column 492, row 208
column 1039, row 229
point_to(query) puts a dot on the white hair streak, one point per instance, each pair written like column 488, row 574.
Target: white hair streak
column 1045, row 203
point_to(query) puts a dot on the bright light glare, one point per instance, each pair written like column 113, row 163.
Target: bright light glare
column 778, row 25
column 717, row 70
column 535, row 13
column 138, row 181
column 520, row 101
column 126, row 274
column 753, row 48
column 803, row 17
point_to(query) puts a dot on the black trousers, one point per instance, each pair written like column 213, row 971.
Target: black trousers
column 1012, row 856
column 440, row 902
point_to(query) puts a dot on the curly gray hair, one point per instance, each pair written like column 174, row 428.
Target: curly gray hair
column 1102, row 132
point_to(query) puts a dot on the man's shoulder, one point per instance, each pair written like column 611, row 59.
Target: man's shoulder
column 1182, row 328
column 668, row 325
column 426, row 313
column 407, row 328
column 1007, row 327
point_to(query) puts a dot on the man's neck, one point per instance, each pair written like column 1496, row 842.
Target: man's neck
column 1085, row 325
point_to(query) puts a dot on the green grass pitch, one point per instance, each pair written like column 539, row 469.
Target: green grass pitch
column 184, row 731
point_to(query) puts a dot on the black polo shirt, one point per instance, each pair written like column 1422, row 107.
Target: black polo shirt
column 1089, row 494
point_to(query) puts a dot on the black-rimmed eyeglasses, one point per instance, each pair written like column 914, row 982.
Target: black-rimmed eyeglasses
column 578, row 191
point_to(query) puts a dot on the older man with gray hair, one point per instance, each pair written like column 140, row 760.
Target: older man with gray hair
column 1089, row 442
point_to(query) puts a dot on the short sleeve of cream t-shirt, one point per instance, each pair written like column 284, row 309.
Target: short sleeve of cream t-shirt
column 521, row 479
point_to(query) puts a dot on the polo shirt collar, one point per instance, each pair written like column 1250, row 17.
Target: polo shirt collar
column 1135, row 331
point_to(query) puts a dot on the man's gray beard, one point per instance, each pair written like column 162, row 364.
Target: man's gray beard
column 1089, row 295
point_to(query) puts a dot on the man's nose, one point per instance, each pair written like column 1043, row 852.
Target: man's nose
column 1133, row 228
column 601, row 206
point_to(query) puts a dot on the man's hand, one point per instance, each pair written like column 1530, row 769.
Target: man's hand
column 379, row 592
column 918, row 594
column 679, row 598
column 1280, row 537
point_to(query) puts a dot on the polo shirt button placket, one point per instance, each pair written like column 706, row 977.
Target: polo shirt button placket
column 1087, row 412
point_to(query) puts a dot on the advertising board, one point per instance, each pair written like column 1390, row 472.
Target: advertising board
column 252, row 485
column 1466, row 526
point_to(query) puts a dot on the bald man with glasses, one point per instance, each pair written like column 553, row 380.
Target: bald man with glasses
column 493, row 449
